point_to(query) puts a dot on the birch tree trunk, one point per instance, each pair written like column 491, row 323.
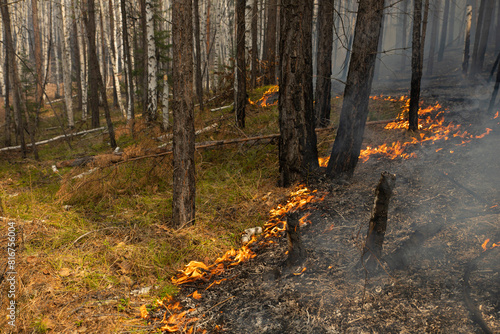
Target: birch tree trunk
column 255, row 49
column 129, row 81
column 151, row 113
column 66, row 61
column 83, row 63
column 57, row 47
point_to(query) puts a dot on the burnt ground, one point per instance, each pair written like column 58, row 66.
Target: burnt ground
column 449, row 201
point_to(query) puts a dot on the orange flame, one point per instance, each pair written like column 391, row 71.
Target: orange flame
column 301, row 272
column 485, row 245
column 263, row 101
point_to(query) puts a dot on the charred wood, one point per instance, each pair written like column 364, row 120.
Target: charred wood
column 296, row 251
column 378, row 221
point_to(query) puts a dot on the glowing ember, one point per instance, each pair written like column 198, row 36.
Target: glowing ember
column 485, row 245
column 301, row 272
column 144, row 312
column 195, row 295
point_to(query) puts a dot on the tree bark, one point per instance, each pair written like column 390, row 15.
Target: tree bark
column 444, row 30
column 77, row 56
column 468, row 21
column 240, row 92
column 8, row 117
column 66, row 62
column 151, row 113
column 298, row 153
column 183, row 204
column 255, row 49
column 478, row 61
column 199, row 78
column 477, row 36
column 416, row 67
column 128, row 63
column 433, row 40
column 270, row 51
column 404, row 43
column 14, row 75
column 372, row 250
column 38, row 53
column 495, row 92
column 323, row 80
column 347, row 145
column 93, row 64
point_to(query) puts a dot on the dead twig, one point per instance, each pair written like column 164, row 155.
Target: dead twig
column 90, row 232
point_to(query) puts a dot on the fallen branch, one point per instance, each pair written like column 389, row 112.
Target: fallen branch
column 93, row 231
column 12, row 148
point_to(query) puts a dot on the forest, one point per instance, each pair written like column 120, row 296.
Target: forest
column 249, row 166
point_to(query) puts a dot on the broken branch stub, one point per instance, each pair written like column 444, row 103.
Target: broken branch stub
column 296, row 251
column 378, row 221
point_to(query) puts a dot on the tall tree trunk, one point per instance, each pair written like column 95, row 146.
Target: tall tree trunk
column 255, row 49
column 477, row 36
column 323, row 81
column 468, row 23
column 183, row 204
column 298, row 153
column 208, row 45
column 151, row 113
column 14, row 75
column 497, row 37
column 240, row 91
column 66, row 62
column 495, row 92
column 433, row 40
column 78, row 62
column 444, row 30
column 404, row 24
column 8, row 117
column 96, row 79
column 451, row 21
column 199, row 78
column 38, row 53
column 129, row 81
column 270, row 52
column 416, row 66
column 347, row 145
column 57, row 58
column 478, row 61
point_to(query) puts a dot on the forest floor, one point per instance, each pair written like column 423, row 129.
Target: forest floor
column 92, row 250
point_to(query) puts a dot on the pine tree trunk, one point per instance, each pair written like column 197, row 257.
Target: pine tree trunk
column 298, row 155
column 347, row 145
column 38, row 53
column 477, row 36
column 468, row 23
column 8, row 117
column 270, row 52
column 451, row 21
column 404, row 25
column 77, row 53
column 433, row 41
column 324, row 82
column 477, row 65
column 152, row 103
column 208, row 45
column 444, row 31
column 199, row 78
column 240, row 91
column 14, row 75
column 183, row 204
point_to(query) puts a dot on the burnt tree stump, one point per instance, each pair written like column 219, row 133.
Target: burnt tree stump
column 296, row 251
column 378, row 221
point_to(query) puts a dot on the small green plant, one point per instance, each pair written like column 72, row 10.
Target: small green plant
column 123, row 304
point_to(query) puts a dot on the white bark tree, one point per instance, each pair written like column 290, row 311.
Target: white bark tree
column 64, row 30
column 152, row 63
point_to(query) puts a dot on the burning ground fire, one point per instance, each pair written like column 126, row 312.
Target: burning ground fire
column 432, row 128
column 486, row 247
column 179, row 319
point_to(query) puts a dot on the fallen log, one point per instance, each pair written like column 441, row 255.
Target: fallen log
column 12, row 148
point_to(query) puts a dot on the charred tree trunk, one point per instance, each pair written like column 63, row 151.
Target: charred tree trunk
column 270, row 51
column 199, row 78
column 416, row 67
column 444, row 30
column 298, row 153
column 240, row 91
column 372, row 250
column 347, row 145
column 495, row 91
column 468, row 21
column 433, row 40
column 296, row 251
column 478, row 61
column 183, row 205
column 323, row 80
column 477, row 36
column 403, row 34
